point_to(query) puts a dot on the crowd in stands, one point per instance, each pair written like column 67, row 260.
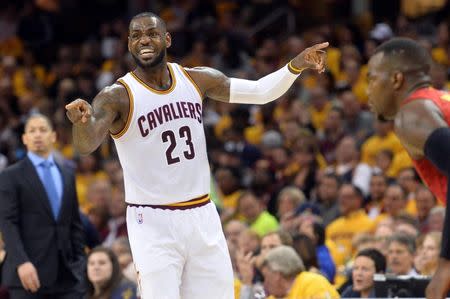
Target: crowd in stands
column 312, row 190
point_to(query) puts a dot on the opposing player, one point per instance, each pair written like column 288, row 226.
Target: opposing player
column 154, row 114
column 400, row 89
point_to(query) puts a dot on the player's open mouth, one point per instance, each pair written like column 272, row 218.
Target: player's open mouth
column 146, row 53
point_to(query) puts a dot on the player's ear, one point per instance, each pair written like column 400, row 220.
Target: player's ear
column 168, row 40
column 397, row 80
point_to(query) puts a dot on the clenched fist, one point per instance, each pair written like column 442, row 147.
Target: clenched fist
column 79, row 110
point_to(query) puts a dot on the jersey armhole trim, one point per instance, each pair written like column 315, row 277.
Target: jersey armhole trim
column 130, row 111
column 193, row 82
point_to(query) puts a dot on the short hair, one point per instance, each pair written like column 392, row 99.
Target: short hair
column 285, row 260
column 416, row 176
column 356, row 189
column 407, row 53
column 439, row 210
column 39, row 115
column 294, row 193
column 332, row 175
column 149, row 14
column 377, row 257
column 423, row 188
column 378, row 173
column 406, row 218
column 285, row 237
column 403, row 239
column 396, row 185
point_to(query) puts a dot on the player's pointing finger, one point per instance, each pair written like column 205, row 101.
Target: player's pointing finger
column 320, row 46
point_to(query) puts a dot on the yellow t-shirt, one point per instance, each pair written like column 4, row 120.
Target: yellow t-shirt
column 375, row 144
column 231, row 201
column 343, row 229
column 308, row 285
column 237, row 288
column 411, row 207
column 318, row 117
column 400, row 161
column 440, row 55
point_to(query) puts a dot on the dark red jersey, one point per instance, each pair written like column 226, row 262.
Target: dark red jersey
column 431, row 176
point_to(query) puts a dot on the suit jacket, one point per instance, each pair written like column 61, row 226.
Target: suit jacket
column 31, row 233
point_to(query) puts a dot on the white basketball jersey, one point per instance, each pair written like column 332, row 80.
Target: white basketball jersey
column 162, row 148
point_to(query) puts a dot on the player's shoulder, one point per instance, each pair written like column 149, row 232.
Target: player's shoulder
column 116, row 92
column 203, row 72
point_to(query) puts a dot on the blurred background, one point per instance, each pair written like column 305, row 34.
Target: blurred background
column 314, row 164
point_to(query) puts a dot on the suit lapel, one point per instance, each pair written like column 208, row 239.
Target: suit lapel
column 36, row 185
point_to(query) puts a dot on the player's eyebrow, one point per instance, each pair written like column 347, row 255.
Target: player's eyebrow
column 144, row 28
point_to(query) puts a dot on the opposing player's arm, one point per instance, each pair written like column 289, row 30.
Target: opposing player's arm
column 217, row 86
column 415, row 123
column 91, row 124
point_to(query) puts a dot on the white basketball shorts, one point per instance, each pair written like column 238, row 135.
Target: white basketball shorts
column 180, row 254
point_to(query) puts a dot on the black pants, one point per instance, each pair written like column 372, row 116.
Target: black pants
column 22, row 294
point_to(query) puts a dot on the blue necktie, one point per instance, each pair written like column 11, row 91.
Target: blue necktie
column 49, row 184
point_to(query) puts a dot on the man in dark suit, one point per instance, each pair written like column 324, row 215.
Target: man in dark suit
column 40, row 222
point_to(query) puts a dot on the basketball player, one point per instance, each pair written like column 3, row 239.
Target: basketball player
column 400, row 90
column 154, row 114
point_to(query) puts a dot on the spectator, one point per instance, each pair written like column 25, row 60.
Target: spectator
column 259, row 220
column 425, row 202
column 378, row 186
column 306, row 249
column 327, row 194
column 233, row 230
column 430, row 253
column 394, row 202
column 348, row 166
column 353, row 220
column 367, row 263
column 384, row 138
column 122, row 250
column 117, row 211
column 436, row 219
column 229, row 187
column 289, row 199
column 105, row 278
column 400, row 256
column 316, row 232
column 285, row 277
column 358, row 123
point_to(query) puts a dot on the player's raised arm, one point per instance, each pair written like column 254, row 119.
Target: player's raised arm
column 92, row 123
column 217, row 86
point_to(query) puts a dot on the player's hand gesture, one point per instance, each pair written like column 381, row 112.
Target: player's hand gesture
column 313, row 57
column 79, row 110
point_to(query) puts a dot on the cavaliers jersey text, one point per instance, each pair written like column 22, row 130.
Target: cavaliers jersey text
column 162, row 148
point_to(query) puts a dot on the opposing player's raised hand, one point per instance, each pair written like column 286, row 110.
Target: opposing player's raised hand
column 79, row 110
column 313, row 57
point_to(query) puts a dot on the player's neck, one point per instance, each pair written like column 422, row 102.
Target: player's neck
column 157, row 77
column 412, row 87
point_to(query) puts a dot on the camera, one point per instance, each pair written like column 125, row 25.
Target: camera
column 400, row 286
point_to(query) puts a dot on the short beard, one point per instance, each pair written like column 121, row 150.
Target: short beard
column 158, row 60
